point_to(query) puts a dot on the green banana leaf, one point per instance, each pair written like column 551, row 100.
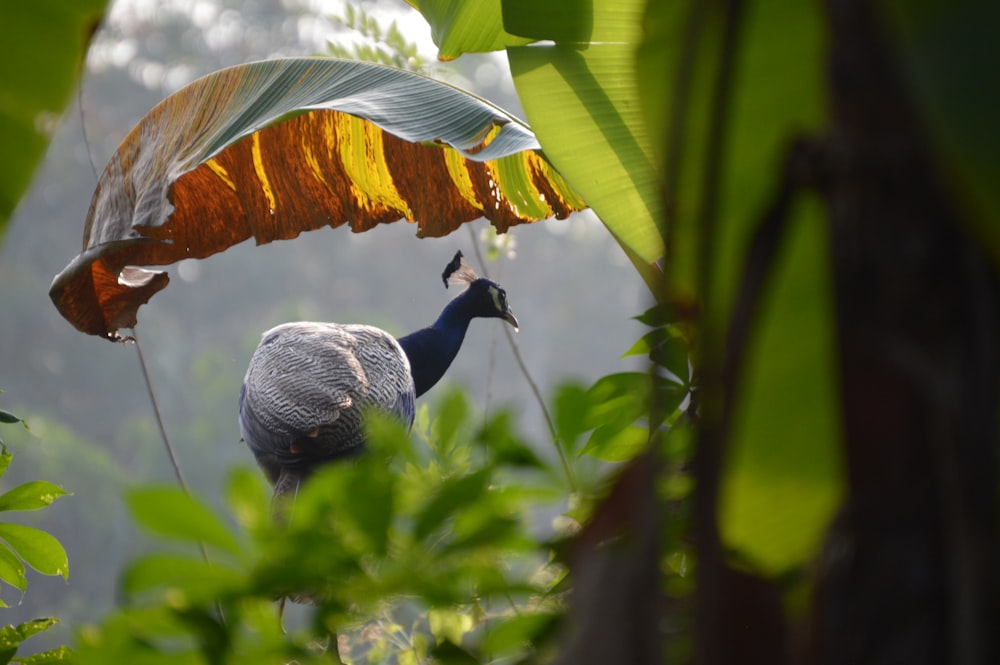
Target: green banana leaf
column 599, row 97
column 44, row 46
column 268, row 150
column 579, row 94
column 460, row 26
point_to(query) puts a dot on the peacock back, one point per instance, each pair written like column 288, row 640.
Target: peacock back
column 308, row 386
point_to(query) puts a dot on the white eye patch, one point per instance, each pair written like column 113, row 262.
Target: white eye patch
column 496, row 298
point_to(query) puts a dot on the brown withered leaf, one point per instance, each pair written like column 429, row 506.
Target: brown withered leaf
column 270, row 149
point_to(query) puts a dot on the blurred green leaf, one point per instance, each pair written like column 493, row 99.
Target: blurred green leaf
column 12, row 569
column 516, row 632
column 31, row 496
column 570, row 409
column 659, row 315
column 453, row 494
column 58, row 655
column 370, row 505
column 446, row 652
column 138, row 635
column 45, row 45
column 175, row 573
column 666, row 347
column 619, row 399
column 450, row 625
column 387, row 436
column 452, row 414
column 614, row 444
column 5, row 458
column 506, row 448
column 458, row 26
column 37, row 548
column 782, row 479
column 478, row 528
column 8, row 417
column 171, row 512
column 248, row 498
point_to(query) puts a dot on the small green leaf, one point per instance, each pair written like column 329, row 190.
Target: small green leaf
column 247, row 497
column 507, row 449
column 31, row 496
column 12, row 636
column 189, row 575
column 171, row 512
column 517, row 631
column 38, row 549
column 483, row 529
column 447, row 652
column 371, row 505
column 619, row 399
column 452, row 414
column 450, row 624
column 5, row 458
column 11, row 569
column 666, row 347
column 454, row 493
column 658, row 315
column 612, row 444
column 61, row 654
column 8, row 417
column 570, row 413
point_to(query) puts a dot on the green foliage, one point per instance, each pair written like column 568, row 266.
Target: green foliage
column 19, row 544
column 172, row 513
column 23, row 545
column 45, row 48
column 385, row 45
column 581, row 86
column 433, row 544
column 459, row 27
column 622, row 101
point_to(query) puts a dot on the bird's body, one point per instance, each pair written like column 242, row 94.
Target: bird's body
column 309, row 384
column 306, row 389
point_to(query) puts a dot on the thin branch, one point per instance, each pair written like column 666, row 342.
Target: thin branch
column 536, row 391
column 156, row 413
column 169, row 446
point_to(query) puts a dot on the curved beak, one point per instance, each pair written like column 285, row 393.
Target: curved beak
column 509, row 317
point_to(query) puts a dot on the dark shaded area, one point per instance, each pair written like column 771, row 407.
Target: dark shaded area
column 909, row 573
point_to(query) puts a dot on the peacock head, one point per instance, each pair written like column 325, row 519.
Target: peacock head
column 484, row 297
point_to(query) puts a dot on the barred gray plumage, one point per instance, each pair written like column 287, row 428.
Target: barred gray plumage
column 306, row 388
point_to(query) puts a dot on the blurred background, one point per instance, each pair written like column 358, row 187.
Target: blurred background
column 92, row 428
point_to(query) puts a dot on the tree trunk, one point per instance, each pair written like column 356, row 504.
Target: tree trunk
column 909, row 571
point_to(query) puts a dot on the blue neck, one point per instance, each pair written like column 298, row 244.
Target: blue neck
column 431, row 350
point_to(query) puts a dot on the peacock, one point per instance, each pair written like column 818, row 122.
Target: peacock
column 309, row 383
